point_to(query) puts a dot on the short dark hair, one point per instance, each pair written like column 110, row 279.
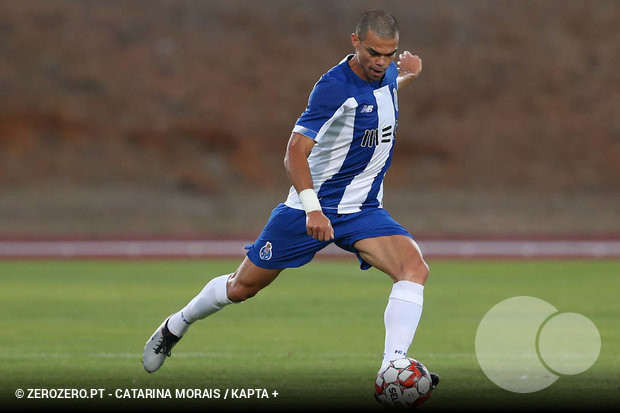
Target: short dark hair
column 380, row 22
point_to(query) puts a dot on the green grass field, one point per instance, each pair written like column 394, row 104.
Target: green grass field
column 315, row 335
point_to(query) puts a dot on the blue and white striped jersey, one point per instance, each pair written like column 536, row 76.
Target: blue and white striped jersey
column 353, row 123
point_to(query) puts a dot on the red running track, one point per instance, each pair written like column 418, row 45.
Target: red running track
column 208, row 248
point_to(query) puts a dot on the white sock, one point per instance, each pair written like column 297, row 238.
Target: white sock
column 401, row 318
column 212, row 298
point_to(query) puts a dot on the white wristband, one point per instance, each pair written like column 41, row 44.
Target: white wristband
column 309, row 200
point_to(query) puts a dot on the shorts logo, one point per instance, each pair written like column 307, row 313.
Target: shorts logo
column 265, row 251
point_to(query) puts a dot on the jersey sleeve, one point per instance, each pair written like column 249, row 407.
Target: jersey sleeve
column 325, row 100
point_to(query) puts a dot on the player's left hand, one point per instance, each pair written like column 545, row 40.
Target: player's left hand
column 409, row 66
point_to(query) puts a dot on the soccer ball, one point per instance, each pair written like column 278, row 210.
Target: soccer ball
column 404, row 384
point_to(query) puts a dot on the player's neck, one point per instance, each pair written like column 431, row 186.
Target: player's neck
column 356, row 67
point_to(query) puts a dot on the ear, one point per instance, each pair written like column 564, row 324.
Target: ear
column 355, row 41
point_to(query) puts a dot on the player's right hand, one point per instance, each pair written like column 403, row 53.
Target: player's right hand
column 318, row 226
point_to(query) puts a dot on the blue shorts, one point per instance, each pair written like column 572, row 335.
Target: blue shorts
column 284, row 242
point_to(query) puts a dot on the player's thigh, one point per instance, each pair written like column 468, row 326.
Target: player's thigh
column 397, row 255
column 248, row 280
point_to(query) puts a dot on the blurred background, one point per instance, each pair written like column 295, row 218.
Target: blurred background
column 166, row 118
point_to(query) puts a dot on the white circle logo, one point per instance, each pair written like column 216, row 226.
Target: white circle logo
column 523, row 344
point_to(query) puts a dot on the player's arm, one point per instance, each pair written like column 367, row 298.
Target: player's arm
column 409, row 68
column 296, row 164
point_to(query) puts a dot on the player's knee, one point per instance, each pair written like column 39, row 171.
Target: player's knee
column 416, row 271
column 238, row 292
column 422, row 271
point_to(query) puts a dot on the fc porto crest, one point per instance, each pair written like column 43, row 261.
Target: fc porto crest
column 395, row 95
column 266, row 251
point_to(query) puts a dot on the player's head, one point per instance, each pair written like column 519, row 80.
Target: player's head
column 376, row 42
column 380, row 22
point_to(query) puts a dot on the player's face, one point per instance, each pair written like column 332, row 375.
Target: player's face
column 374, row 55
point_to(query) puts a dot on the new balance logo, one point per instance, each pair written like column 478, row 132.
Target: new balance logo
column 367, row 109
